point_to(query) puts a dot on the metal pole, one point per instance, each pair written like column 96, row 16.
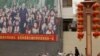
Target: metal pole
column 88, row 4
column 88, row 36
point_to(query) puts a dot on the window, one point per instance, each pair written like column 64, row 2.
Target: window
column 67, row 3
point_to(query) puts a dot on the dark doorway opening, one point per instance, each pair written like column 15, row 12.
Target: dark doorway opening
column 66, row 23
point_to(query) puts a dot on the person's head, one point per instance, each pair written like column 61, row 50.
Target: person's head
column 38, row 12
column 35, row 25
column 5, row 6
column 75, row 47
column 45, row 8
column 23, row 5
column 52, row 12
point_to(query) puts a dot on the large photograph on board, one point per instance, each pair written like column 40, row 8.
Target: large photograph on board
column 24, row 19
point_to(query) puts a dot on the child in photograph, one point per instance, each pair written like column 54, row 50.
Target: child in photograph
column 35, row 28
column 47, row 14
column 28, row 30
column 52, row 17
column 37, row 18
column 29, row 20
column 48, row 19
column 45, row 8
column 10, row 26
column 16, row 27
column 3, row 22
column 33, row 18
column 13, row 13
column 9, row 23
column 33, row 9
column 50, row 29
column 43, row 28
column 16, row 24
column 3, row 18
column 4, row 28
column 40, row 19
column 55, row 29
column 28, row 24
column 44, row 16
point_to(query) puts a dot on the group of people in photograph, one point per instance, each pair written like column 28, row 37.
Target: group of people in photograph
column 28, row 20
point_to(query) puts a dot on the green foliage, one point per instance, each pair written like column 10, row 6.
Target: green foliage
column 29, row 3
column 2, row 3
column 49, row 3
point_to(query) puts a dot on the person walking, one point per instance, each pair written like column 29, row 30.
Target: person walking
column 76, row 51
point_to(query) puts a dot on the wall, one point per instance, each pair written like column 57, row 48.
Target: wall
column 67, row 12
column 70, row 40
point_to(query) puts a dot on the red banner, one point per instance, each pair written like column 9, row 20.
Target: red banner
column 33, row 37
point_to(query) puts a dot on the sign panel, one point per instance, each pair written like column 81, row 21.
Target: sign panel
column 29, row 20
column 35, row 37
